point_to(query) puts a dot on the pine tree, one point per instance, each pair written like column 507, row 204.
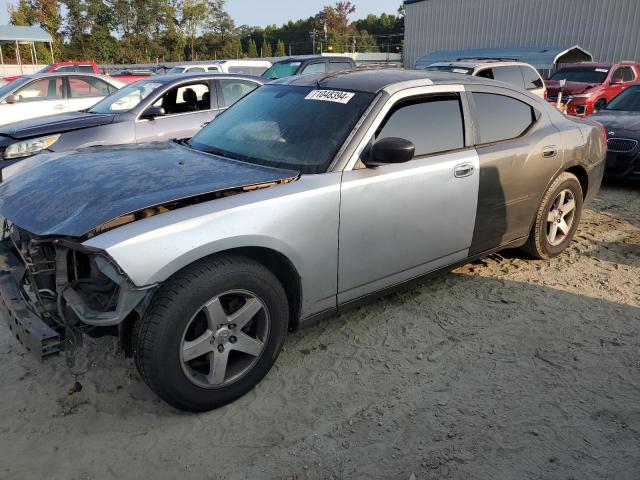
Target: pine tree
column 280, row 50
column 266, row 49
column 252, row 50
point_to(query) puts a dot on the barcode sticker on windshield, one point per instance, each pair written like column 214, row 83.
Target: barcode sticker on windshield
column 330, row 96
column 602, row 70
column 459, row 70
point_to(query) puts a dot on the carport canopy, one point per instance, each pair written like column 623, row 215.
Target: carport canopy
column 24, row 35
column 542, row 58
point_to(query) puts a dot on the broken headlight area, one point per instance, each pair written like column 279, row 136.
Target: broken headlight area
column 69, row 287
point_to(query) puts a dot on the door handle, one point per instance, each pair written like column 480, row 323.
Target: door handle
column 463, row 170
column 59, row 107
column 549, row 152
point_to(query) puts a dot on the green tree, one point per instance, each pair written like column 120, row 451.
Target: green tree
column 194, row 18
column 252, row 49
column 266, row 49
column 280, row 49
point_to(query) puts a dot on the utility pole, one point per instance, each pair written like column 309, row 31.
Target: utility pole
column 354, row 45
column 313, row 39
column 290, row 50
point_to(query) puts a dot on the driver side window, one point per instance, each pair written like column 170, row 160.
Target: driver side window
column 433, row 124
column 194, row 97
column 45, row 89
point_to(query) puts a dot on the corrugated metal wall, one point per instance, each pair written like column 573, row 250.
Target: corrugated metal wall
column 609, row 29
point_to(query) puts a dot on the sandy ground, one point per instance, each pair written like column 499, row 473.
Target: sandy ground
column 505, row 369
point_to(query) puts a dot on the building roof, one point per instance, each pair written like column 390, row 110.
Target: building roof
column 540, row 57
column 376, row 80
column 13, row 33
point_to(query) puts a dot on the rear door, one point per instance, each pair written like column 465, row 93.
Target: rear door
column 520, row 151
column 400, row 221
column 39, row 98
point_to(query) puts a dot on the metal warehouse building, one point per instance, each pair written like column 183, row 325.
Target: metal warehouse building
column 609, row 29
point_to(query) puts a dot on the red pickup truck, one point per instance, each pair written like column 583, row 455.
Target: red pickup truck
column 588, row 87
column 83, row 67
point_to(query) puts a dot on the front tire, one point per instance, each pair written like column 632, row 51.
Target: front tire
column 212, row 333
column 557, row 218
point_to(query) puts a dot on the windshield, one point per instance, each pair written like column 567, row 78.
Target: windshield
column 298, row 128
column 628, row 101
column 176, row 70
column 449, row 68
column 126, row 99
column 9, row 87
column 281, row 70
column 581, row 75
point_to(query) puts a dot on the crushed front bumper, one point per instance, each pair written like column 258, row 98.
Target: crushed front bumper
column 29, row 329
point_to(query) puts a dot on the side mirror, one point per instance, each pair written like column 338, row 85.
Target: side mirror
column 153, row 112
column 391, row 150
column 11, row 99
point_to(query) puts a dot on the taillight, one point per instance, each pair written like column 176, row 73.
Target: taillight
column 546, row 94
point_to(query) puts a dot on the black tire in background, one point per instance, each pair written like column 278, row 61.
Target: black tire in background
column 158, row 338
column 538, row 244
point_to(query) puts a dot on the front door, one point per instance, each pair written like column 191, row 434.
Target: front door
column 39, row 98
column 188, row 107
column 400, row 221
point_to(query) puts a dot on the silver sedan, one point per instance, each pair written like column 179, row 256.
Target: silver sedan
column 308, row 197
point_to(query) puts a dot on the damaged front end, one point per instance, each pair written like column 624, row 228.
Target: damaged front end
column 53, row 288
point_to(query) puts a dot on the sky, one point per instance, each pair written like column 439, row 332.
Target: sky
column 256, row 12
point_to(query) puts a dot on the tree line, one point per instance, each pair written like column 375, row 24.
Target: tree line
column 148, row 31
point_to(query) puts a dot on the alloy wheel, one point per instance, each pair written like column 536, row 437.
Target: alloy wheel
column 224, row 339
column 561, row 217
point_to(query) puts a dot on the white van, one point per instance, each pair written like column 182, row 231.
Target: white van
column 247, row 67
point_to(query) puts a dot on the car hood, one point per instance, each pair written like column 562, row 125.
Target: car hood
column 570, row 88
column 71, row 194
column 60, row 123
column 618, row 121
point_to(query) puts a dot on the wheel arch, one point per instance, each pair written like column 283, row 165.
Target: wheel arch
column 583, row 177
column 283, row 268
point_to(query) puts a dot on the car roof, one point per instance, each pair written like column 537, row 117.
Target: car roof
column 306, row 58
column 35, row 76
column 376, row 80
column 177, row 77
column 472, row 63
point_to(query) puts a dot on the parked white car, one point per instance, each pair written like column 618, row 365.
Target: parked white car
column 40, row 95
column 247, row 67
column 520, row 74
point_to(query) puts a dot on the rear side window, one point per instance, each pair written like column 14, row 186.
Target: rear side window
column 67, row 68
column 196, row 69
column 511, row 75
column 501, row 118
column 339, row 66
column 87, row 87
column 85, row 68
column 210, row 69
column 433, row 124
column 230, row 91
column 315, row 68
column 532, row 80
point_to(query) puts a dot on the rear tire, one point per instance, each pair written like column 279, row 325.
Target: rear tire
column 557, row 218
column 212, row 332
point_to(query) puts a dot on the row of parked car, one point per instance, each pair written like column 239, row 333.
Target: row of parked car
column 308, row 196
